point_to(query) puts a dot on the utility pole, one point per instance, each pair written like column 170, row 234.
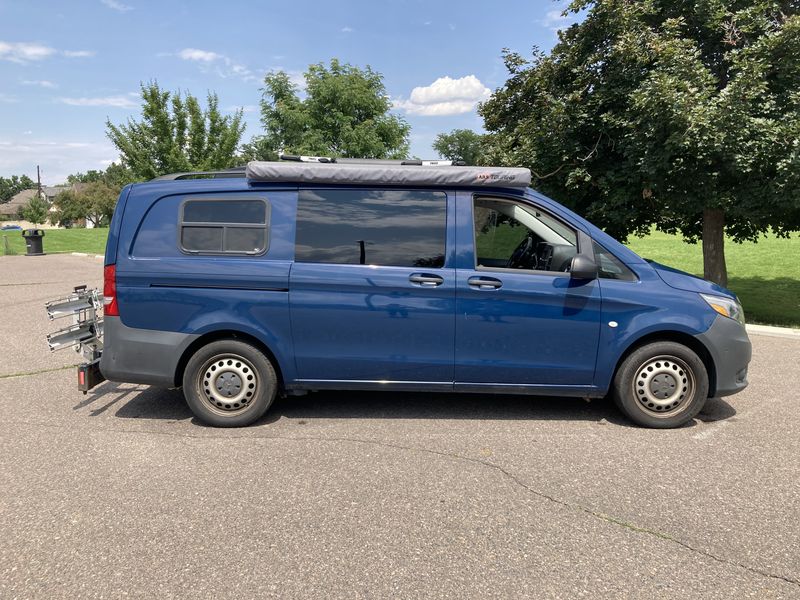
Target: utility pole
column 39, row 181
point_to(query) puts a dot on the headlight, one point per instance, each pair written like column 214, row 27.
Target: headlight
column 726, row 307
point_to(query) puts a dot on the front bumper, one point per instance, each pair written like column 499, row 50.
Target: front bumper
column 730, row 349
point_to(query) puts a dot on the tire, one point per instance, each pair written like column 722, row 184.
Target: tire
column 229, row 383
column 662, row 385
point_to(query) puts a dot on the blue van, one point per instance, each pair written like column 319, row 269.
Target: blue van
column 321, row 274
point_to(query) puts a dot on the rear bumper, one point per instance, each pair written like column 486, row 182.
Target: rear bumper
column 730, row 349
column 141, row 355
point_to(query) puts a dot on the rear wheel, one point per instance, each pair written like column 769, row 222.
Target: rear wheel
column 229, row 383
column 661, row 385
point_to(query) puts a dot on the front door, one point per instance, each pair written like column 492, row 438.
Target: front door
column 371, row 295
column 520, row 319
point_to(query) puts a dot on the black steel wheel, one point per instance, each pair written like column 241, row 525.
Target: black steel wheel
column 229, row 383
column 661, row 385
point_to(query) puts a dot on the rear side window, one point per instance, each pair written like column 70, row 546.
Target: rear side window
column 372, row 227
column 224, row 225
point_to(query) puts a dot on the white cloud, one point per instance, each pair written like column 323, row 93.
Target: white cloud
column 77, row 53
column 58, row 158
column 218, row 63
column 23, row 52
column 117, row 5
column 26, row 52
column 445, row 96
column 110, row 101
column 40, row 82
column 555, row 20
column 347, row 30
column 199, row 55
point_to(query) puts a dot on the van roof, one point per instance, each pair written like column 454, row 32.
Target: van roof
column 366, row 172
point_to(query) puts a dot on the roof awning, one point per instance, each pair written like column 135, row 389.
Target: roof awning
column 383, row 174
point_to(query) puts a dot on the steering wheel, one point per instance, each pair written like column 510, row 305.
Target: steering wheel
column 521, row 257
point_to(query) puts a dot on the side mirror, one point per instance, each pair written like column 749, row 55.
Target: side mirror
column 583, row 267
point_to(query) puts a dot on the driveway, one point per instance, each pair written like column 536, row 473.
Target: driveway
column 122, row 492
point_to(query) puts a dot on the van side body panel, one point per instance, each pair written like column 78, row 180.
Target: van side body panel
column 178, row 297
column 169, row 298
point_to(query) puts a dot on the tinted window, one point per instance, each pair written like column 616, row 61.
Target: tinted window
column 225, row 211
column 224, row 225
column 202, row 238
column 387, row 228
column 610, row 267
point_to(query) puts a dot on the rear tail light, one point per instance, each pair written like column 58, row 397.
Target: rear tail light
column 110, row 306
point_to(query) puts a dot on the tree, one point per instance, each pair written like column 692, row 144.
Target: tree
column 13, row 185
column 460, row 144
column 680, row 114
column 91, row 201
column 35, row 211
column 175, row 135
column 116, row 176
column 344, row 113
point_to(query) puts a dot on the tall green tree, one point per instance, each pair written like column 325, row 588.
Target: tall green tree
column 683, row 114
column 460, row 144
column 176, row 134
column 345, row 113
column 93, row 201
column 11, row 186
column 116, row 176
column 36, row 210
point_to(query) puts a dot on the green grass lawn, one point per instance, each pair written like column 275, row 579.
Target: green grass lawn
column 766, row 275
column 90, row 241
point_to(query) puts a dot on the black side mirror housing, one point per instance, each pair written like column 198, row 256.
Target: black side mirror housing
column 583, row 267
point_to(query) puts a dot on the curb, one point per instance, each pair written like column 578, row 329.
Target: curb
column 84, row 254
column 769, row 330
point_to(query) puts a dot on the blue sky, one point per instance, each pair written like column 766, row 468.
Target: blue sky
column 65, row 66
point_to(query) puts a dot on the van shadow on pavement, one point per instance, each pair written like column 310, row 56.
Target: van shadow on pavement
column 143, row 402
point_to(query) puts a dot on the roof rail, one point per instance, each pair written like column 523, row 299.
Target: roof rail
column 371, row 161
column 221, row 174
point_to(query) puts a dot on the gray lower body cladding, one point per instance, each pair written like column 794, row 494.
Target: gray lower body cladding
column 730, row 349
column 141, row 355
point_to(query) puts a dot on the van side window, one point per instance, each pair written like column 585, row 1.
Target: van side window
column 224, row 226
column 372, row 227
column 610, row 267
column 512, row 235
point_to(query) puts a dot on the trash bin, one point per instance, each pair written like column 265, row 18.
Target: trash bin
column 33, row 241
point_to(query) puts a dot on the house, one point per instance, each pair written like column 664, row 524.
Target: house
column 11, row 208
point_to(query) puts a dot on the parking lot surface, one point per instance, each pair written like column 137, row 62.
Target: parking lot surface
column 121, row 492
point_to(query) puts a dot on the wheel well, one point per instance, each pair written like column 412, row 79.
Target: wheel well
column 680, row 338
column 225, row 335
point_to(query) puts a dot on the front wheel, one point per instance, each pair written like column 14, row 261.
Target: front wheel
column 661, row 385
column 229, row 383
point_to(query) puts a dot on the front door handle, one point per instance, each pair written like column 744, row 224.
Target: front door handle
column 426, row 280
column 485, row 283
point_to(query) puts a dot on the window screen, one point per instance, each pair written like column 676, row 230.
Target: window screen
column 372, row 227
column 222, row 226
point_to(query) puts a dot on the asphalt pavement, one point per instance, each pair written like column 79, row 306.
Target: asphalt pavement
column 379, row 495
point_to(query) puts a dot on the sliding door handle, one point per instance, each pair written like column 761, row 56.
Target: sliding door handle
column 484, row 283
column 426, row 280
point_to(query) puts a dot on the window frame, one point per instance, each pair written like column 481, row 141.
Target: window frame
column 225, row 226
column 517, row 200
column 431, row 190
